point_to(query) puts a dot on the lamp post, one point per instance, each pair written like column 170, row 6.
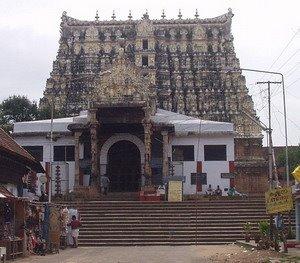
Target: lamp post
column 285, row 118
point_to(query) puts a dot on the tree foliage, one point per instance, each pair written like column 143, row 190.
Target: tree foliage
column 18, row 108
column 293, row 155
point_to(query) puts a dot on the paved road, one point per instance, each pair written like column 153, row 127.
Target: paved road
column 152, row 254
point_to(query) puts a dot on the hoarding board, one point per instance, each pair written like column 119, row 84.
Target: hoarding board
column 227, row 175
column 175, row 191
column 279, row 200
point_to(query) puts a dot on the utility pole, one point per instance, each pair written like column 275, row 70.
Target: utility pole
column 287, row 168
column 51, row 151
column 271, row 158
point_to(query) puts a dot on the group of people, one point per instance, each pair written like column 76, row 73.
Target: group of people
column 211, row 191
column 231, row 191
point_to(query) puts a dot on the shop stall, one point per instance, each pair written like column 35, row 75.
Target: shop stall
column 12, row 218
column 28, row 227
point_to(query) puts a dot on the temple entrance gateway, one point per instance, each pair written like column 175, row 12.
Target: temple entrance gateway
column 124, row 167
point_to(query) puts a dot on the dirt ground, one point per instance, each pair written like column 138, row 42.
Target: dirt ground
column 161, row 254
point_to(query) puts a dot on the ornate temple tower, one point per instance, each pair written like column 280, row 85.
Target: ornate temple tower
column 190, row 62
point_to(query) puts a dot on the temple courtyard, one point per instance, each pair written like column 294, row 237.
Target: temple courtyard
column 164, row 254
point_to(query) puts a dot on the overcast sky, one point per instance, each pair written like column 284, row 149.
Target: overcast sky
column 265, row 37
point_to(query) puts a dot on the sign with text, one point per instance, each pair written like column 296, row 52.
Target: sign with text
column 279, row 200
column 199, row 178
column 175, row 191
column 227, row 175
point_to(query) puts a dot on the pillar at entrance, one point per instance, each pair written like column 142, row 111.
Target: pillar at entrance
column 94, row 126
column 147, row 140
column 77, row 135
column 165, row 170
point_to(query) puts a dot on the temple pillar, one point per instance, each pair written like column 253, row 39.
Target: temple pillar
column 77, row 135
column 147, row 140
column 94, row 126
column 165, row 170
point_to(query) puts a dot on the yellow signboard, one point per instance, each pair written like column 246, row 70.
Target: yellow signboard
column 175, row 191
column 296, row 173
column 279, row 200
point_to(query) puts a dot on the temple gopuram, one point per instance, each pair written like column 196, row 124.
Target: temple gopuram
column 127, row 72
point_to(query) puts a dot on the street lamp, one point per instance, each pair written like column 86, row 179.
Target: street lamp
column 285, row 118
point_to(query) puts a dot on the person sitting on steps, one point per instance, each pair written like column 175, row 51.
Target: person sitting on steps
column 209, row 190
column 218, row 191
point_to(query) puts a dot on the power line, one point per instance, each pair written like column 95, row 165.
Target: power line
column 295, row 97
column 279, row 126
column 292, row 68
column 287, row 118
column 294, row 54
column 284, row 49
column 293, row 83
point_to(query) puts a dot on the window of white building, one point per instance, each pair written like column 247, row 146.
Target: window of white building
column 183, row 153
column 35, row 151
column 64, row 153
column 215, row 153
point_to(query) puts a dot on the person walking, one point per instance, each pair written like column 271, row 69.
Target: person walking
column 104, row 184
column 75, row 224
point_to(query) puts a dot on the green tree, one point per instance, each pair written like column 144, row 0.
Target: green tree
column 45, row 113
column 16, row 108
column 293, row 155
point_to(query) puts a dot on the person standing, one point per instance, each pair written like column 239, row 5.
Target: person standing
column 75, row 224
column 104, row 184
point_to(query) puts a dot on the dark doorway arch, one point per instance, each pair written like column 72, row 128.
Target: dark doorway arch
column 124, row 167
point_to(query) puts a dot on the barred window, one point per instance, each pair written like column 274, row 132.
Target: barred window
column 35, row 151
column 183, row 153
column 215, row 153
column 64, row 153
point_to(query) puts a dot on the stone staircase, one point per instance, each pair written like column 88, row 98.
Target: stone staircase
column 127, row 223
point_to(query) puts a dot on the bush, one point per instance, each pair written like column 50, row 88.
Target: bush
column 247, row 227
column 264, row 227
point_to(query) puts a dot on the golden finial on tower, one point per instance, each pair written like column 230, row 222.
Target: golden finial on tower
column 179, row 14
column 196, row 14
column 129, row 16
column 113, row 15
column 97, row 16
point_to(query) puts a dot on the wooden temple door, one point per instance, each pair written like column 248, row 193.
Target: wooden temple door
column 124, row 167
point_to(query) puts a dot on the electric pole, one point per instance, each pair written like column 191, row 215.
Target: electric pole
column 271, row 157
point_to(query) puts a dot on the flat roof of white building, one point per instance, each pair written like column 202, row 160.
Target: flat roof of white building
column 184, row 125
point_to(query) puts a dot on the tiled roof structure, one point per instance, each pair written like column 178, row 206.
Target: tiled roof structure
column 9, row 146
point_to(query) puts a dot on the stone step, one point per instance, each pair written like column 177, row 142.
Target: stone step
column 160, row 239
column 138, row 204
column 127, row 223
column 169, row 231
column 164, row 204
column 169, row 218
column 163, row 221
column 181, row 227
column 186, row 210
column 149, row 243
column 176, row 214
